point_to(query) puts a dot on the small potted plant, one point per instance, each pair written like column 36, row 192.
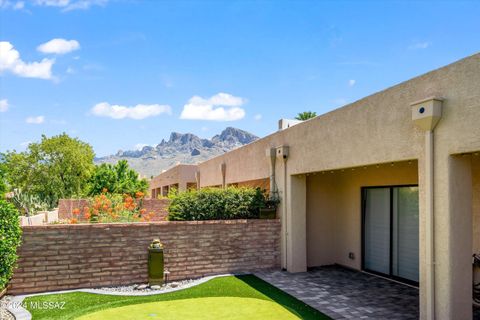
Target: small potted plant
column 269, row 210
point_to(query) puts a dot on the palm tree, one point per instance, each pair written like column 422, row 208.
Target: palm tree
column 306, row 115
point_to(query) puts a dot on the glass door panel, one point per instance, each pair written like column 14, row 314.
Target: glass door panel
column 405, row 233
column 377, row 230
column 390, row 231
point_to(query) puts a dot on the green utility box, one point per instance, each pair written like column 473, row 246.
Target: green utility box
column 155, row 263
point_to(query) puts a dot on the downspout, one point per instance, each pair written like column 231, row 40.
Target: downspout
column 285, row 217
column 426, row 114
column 197, row 179
column 223, row 167
column 283, row 152
column 271, row 154
column 430, row 228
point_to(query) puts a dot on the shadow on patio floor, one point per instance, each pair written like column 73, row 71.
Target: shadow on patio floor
column 342, row 293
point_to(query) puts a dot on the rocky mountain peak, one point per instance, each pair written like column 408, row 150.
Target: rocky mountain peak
column 234, row 135
column 181, row 147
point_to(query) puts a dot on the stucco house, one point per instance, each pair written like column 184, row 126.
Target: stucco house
column 181, row 177
column 389, row 184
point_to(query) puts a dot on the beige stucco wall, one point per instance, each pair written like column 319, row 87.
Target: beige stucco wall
column 375, row 129
column 180, row 175
column 379, row 129
column 334, row 209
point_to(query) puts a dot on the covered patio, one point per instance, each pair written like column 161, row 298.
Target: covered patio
column 342, row 293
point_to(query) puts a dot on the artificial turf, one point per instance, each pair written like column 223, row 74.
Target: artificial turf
column 77, row 304
column 232, row 308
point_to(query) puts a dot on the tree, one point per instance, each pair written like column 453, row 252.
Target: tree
column 57, row 167
column 118, row 178
column 306, row 115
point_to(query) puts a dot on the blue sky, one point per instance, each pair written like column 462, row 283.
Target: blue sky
column 127, row 73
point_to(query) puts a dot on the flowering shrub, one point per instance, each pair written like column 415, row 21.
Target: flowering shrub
column 108, row 207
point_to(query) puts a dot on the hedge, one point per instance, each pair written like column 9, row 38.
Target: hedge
column 10, row 237
column 216, row 204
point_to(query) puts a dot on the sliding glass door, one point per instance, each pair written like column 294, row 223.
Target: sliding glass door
column 390, row 231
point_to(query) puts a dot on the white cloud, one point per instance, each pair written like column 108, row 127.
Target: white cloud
column 199, row 108
column 420, row 45
column 52, row 3
column 352, row 82
column 258, row 117
column 138, row 112
column 35, row 120
column 68, row 5
column 10, row 61
column 3, row 105
column 15, row 5
column 19, row 5
column 59, row 46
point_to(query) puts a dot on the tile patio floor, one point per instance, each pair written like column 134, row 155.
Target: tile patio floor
column 342, row 293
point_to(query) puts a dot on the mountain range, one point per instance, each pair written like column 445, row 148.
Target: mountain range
column 180, row 148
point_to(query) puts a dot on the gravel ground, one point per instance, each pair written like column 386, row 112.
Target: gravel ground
column 153, row 289
column 4, row 314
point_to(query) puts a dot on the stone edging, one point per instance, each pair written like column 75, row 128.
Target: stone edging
column 21, row 313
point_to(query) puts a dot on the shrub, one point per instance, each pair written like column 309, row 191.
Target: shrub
column 216, row 204
column 10, row 234
column 108, row 207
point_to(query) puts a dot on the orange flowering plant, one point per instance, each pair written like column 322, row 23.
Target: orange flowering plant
column 108, row 207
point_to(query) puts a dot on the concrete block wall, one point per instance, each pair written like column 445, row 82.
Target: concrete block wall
column 61, row 257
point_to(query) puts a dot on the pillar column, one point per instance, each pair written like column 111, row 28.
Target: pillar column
column 292, row 190
column 296, row 223
column 182, row 186
column 453, row 237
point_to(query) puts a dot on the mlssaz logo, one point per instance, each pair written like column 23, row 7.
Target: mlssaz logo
column 44, row 305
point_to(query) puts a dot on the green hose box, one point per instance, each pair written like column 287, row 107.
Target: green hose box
column 155, row 263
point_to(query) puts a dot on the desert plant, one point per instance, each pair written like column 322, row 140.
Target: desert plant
column 10, row 235
column 28, row 204
column 216, row 204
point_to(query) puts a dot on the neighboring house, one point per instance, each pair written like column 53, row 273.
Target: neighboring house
column 186, row 177
column 379, row 186
column 181, row 177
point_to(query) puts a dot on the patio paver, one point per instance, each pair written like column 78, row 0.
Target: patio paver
column 342, row 293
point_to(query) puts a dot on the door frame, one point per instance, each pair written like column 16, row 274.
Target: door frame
column 363, row 206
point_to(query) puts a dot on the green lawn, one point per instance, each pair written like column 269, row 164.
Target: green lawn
column 233, row 297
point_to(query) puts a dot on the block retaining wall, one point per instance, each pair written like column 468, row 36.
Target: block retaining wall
column 61, row 257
